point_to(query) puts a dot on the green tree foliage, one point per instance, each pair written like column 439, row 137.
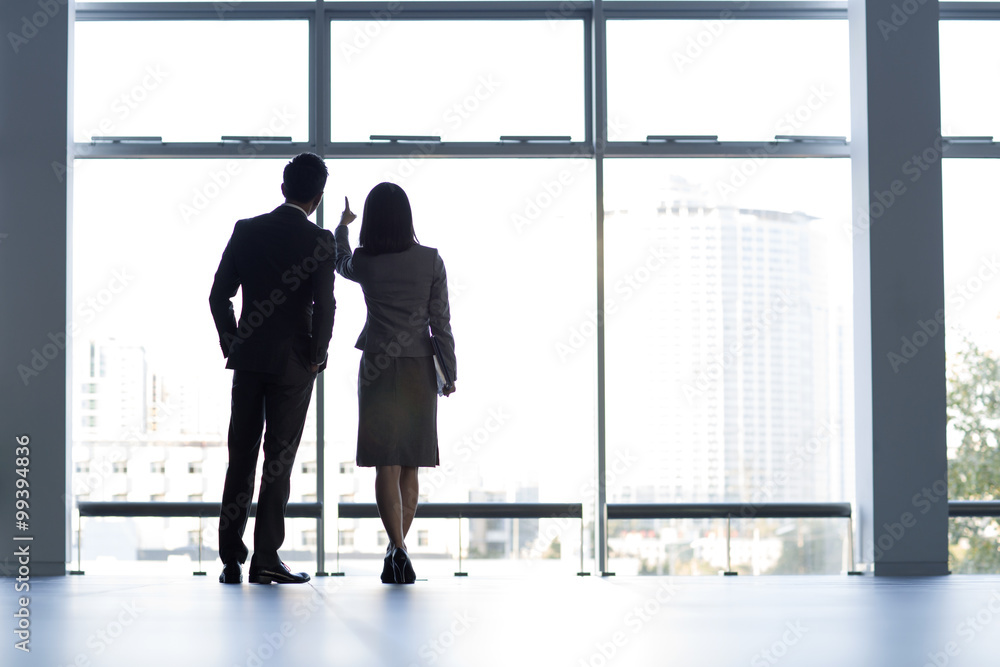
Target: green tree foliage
column 974, row 472
column 554, row 549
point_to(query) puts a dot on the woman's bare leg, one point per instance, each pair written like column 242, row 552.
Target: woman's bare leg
column 390, row 503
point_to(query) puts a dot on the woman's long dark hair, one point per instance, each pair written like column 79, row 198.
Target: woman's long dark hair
column 387, row 222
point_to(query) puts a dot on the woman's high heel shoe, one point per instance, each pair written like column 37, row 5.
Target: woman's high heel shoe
column 387, row 575
column 402, row 569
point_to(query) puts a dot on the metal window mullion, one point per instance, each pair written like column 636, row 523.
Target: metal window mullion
column 184, row 150
column 725, row 149
column 460, row 10
column 458, row 149
column 344, row 11
column 194, row 11
column 600, row 111
column 727, row 11
column 338, row 150
column 319, row 33
column 588, row 81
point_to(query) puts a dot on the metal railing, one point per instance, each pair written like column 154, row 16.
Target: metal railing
column 728, row 511
column 345, row 511
column 974, row 508
column 474, row 511
column 168, row 510
column 615, row 511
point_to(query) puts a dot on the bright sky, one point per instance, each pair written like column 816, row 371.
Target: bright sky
column 517, row 235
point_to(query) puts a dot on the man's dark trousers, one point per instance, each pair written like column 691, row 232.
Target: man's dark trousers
column 283, row 400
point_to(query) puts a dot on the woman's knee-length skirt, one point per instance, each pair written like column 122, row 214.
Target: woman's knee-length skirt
column 397, row 411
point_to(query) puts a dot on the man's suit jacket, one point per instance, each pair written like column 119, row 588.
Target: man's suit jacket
column 285, row 265
column 405, row 293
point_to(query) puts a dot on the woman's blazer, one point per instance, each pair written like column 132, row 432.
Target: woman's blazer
column 406, row 292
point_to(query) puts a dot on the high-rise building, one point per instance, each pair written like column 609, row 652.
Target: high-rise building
column 741, row 332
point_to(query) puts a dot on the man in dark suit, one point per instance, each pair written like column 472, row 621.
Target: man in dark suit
column 285, row 265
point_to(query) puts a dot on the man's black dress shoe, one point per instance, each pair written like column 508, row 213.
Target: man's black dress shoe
column 278, row 574
column 232, row 573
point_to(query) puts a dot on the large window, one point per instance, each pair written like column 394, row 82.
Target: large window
column 460, row 80
column 972, row 295
column 968, row 108
column 728, row 324
column 521, row 271
column 725, row 350
column 739, row 80
column 150, row 392
column 192, row 80
column 972, row 291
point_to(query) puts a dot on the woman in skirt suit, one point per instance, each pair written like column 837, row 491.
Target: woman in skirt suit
column 406, row 293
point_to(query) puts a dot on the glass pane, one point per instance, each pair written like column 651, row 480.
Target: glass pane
column 547, row 547
column 789, row 546
column 973, row 545
column 460, row 80
column 969, row 105
column 150, row 391
column 667, row 547
column 521, row 276
column 230, row 78
column 728, row 323
column 740, row 80
column 698, row 546
column 972, row 292
column 144, row 546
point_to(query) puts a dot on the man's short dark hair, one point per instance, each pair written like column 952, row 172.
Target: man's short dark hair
column 304, row 177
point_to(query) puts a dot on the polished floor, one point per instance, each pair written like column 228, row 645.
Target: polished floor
column 572, row 621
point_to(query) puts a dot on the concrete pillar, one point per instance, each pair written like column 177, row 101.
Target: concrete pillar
column 896, row 149
column 35, row 82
